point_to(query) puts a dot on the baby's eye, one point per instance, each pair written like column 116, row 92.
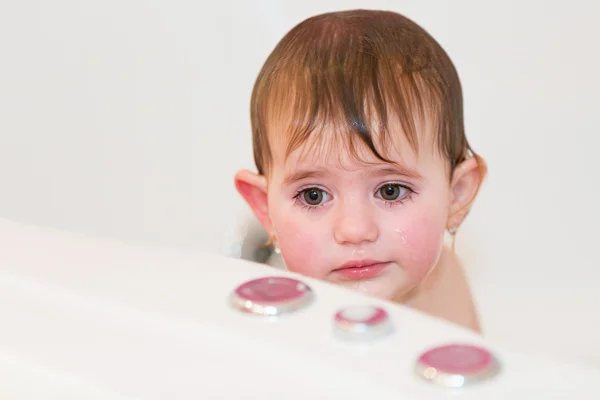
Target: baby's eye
column 313, row 196
column 392, row 191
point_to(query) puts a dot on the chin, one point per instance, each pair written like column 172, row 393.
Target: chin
column 373, row 288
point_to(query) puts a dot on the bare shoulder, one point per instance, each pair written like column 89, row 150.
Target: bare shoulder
column 446, row 294
column 457, row 291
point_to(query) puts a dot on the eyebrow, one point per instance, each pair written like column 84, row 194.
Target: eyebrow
column 303, row 174
column 396, row 169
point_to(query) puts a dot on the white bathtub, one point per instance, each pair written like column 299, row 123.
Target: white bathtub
column 84, row 318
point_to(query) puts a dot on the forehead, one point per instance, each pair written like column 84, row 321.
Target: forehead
column 335, row 146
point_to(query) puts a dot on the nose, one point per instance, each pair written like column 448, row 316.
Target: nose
column 355, row 225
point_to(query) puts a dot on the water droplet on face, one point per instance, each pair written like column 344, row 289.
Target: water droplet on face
column 356, row 253
column 363, row 286
column 402, row 237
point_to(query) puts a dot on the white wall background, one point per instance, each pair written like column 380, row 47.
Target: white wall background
column 128, row 119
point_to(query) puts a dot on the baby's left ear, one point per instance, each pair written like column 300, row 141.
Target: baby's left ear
column 466, row 181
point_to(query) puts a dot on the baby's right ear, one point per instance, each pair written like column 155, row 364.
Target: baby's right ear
column 253, row 188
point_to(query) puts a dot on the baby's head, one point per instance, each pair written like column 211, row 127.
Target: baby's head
column 357, row 123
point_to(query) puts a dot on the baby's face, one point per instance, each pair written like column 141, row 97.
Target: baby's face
column 374, row 228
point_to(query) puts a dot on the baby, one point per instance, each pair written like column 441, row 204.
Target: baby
column 363, row 164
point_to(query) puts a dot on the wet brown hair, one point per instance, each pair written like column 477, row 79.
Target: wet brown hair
column 355, row 71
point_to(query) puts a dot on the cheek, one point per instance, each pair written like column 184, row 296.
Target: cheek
column 301, row 246
column 417, row 242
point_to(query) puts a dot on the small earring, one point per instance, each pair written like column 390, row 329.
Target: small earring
column 274, row 244
column 452, row 230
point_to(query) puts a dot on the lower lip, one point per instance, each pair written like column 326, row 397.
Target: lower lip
column 364, row 272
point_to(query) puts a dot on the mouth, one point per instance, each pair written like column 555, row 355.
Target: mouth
column 362, row 269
